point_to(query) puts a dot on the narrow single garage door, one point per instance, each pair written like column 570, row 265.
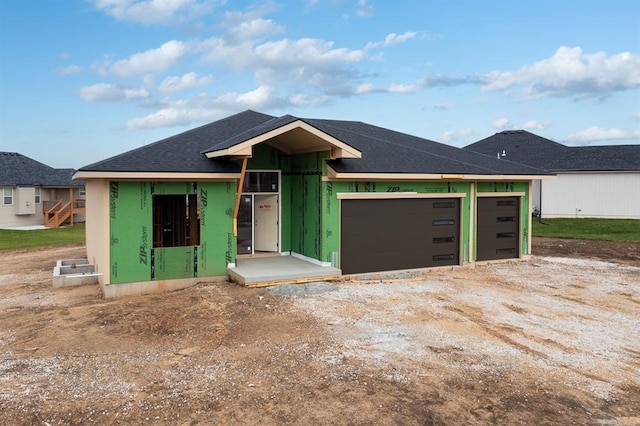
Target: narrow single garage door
column 498, row 228
column 392, row 234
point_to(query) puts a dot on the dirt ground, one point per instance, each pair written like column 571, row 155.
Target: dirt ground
column 553, row 340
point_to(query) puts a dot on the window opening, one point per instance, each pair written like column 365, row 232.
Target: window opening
column 38, row 195
column 176, row 221
column 443, row 222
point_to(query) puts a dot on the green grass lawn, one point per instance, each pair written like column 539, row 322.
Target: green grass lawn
column 10, row 239
column 589, row 229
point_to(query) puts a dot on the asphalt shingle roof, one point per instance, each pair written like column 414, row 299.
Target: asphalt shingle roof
column 183, row 152
column 388, row 151
column 523, row 147
column 383, row 150
column 19, row 170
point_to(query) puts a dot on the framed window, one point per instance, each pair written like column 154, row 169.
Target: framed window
column 261, row 182
column 38, row 195
column 82, row 192
column 176, row 222
column 7, row 196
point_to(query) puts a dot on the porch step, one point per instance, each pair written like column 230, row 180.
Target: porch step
column 263, row 272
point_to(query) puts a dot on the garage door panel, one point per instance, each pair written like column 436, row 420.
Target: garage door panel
column 382, row 235
column 498, row 228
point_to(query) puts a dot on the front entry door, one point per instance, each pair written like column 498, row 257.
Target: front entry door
column 266, row 222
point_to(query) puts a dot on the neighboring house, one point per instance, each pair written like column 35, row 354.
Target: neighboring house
column 591, row 181
column 36, row 194
column 340, row 194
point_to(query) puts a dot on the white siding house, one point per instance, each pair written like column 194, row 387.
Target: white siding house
column 596, row 194
column 591, row 181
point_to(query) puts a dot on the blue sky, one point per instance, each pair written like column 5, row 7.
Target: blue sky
column 82, row 80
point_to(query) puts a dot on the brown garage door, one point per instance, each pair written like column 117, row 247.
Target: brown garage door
column 386, row 235
column 498, row 228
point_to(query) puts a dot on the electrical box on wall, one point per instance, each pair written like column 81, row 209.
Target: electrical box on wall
column 25, row 201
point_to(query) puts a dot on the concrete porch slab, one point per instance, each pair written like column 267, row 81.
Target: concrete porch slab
column 267, row 271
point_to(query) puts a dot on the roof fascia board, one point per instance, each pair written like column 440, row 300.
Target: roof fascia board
column 244, row 148
column 333, row 175
column 149, row 176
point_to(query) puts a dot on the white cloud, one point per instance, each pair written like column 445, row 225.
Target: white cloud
column 364, row 88
column 392, row 39
column 534, row 125
column 286, row 62
column 277, row 54
column 187, row 81
column 203, row 108
column 256, row 98
column 445, row 81
column 453, row 136
column 501, row 124
column 307, row 51
column 636, row 116
column 595, row 133
column 154, row 11
column 570, row 72
column 69, row 70
column 152, row 60
column 253, row 29
column 104, row 92
column 363, row 9
column 402, row 88
column 301, row 99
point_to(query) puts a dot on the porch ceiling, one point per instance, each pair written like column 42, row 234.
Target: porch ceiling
column 298, row 141
column 293, row 138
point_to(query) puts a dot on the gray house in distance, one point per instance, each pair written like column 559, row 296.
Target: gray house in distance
column 34, row 194
column 591, row 181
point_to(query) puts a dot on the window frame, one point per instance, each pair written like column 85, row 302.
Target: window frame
column 5, row 196
column 38, row 195
column 175, row 223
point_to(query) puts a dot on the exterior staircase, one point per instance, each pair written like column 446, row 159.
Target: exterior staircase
column 56, row 212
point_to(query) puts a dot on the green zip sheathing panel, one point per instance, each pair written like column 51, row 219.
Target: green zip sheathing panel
column 130, row 231
column 217, row 243
column 484, row 187
column 133, row 257
column 306, row 200
column 330, row 227
column 173, row 262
